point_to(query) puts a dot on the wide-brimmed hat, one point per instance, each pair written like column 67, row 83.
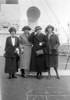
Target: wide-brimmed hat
column 49, row 26
column 26, row 28
column 12, row 29
column 38, row 28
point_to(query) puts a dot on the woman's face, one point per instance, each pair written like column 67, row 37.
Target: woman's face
column 26, row 31
column 38, row 31
column 12, row 33
column 49, row 29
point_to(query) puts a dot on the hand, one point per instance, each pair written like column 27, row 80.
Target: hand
column 17, row 50
column 40, row 43
column 56, row 47
column 22, row 50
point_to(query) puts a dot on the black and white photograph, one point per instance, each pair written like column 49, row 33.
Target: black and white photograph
column 34, row 49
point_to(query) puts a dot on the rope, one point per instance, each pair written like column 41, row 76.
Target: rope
column 55, row 16
column 45, row 10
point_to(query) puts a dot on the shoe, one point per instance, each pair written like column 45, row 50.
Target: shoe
column 14, row 77
column 24, row 75
column 37, row 76
column 40, row 77
column 58, row 77
column 49, row 76
column 9, row 77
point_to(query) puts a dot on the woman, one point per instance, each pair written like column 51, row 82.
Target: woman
column 11, row 49
column 37, row 56
column 52, row 44
column 25, row 51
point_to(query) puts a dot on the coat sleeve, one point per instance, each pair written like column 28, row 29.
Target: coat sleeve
column 20, row 39
column 20, row 43
column 6, row 43
column 57, row 43
column 44, row 41
column 17, row 39
column 31, row 38
column 5, row 49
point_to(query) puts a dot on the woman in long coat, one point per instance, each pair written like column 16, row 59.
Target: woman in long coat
column 37, row 63
column 25, row 51
column 11, row 49
column 52, row 44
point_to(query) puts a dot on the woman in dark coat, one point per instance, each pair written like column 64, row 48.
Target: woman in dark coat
column 11, row 49
column 52, row 44
column 37, row 63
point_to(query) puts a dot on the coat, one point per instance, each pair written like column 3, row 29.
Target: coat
column 52, row 52
column 10, row 55
column 24, row 62
column 37, row 63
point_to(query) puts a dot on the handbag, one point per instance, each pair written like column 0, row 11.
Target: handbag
column 39, row 52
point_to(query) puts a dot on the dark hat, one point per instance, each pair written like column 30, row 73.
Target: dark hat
column 12, row 29
column 37, row 28
column 26, row 28
column 49, row 26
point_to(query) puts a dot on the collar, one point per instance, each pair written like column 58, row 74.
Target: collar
column 13, row 37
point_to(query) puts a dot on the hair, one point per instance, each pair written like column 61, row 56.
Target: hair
column 37, row 28
column 26, row 28
column 49, row 26
column 12, row 29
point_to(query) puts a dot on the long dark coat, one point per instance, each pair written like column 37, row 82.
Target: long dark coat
column 52, row 45
column 37, row 63
column 10, row 55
